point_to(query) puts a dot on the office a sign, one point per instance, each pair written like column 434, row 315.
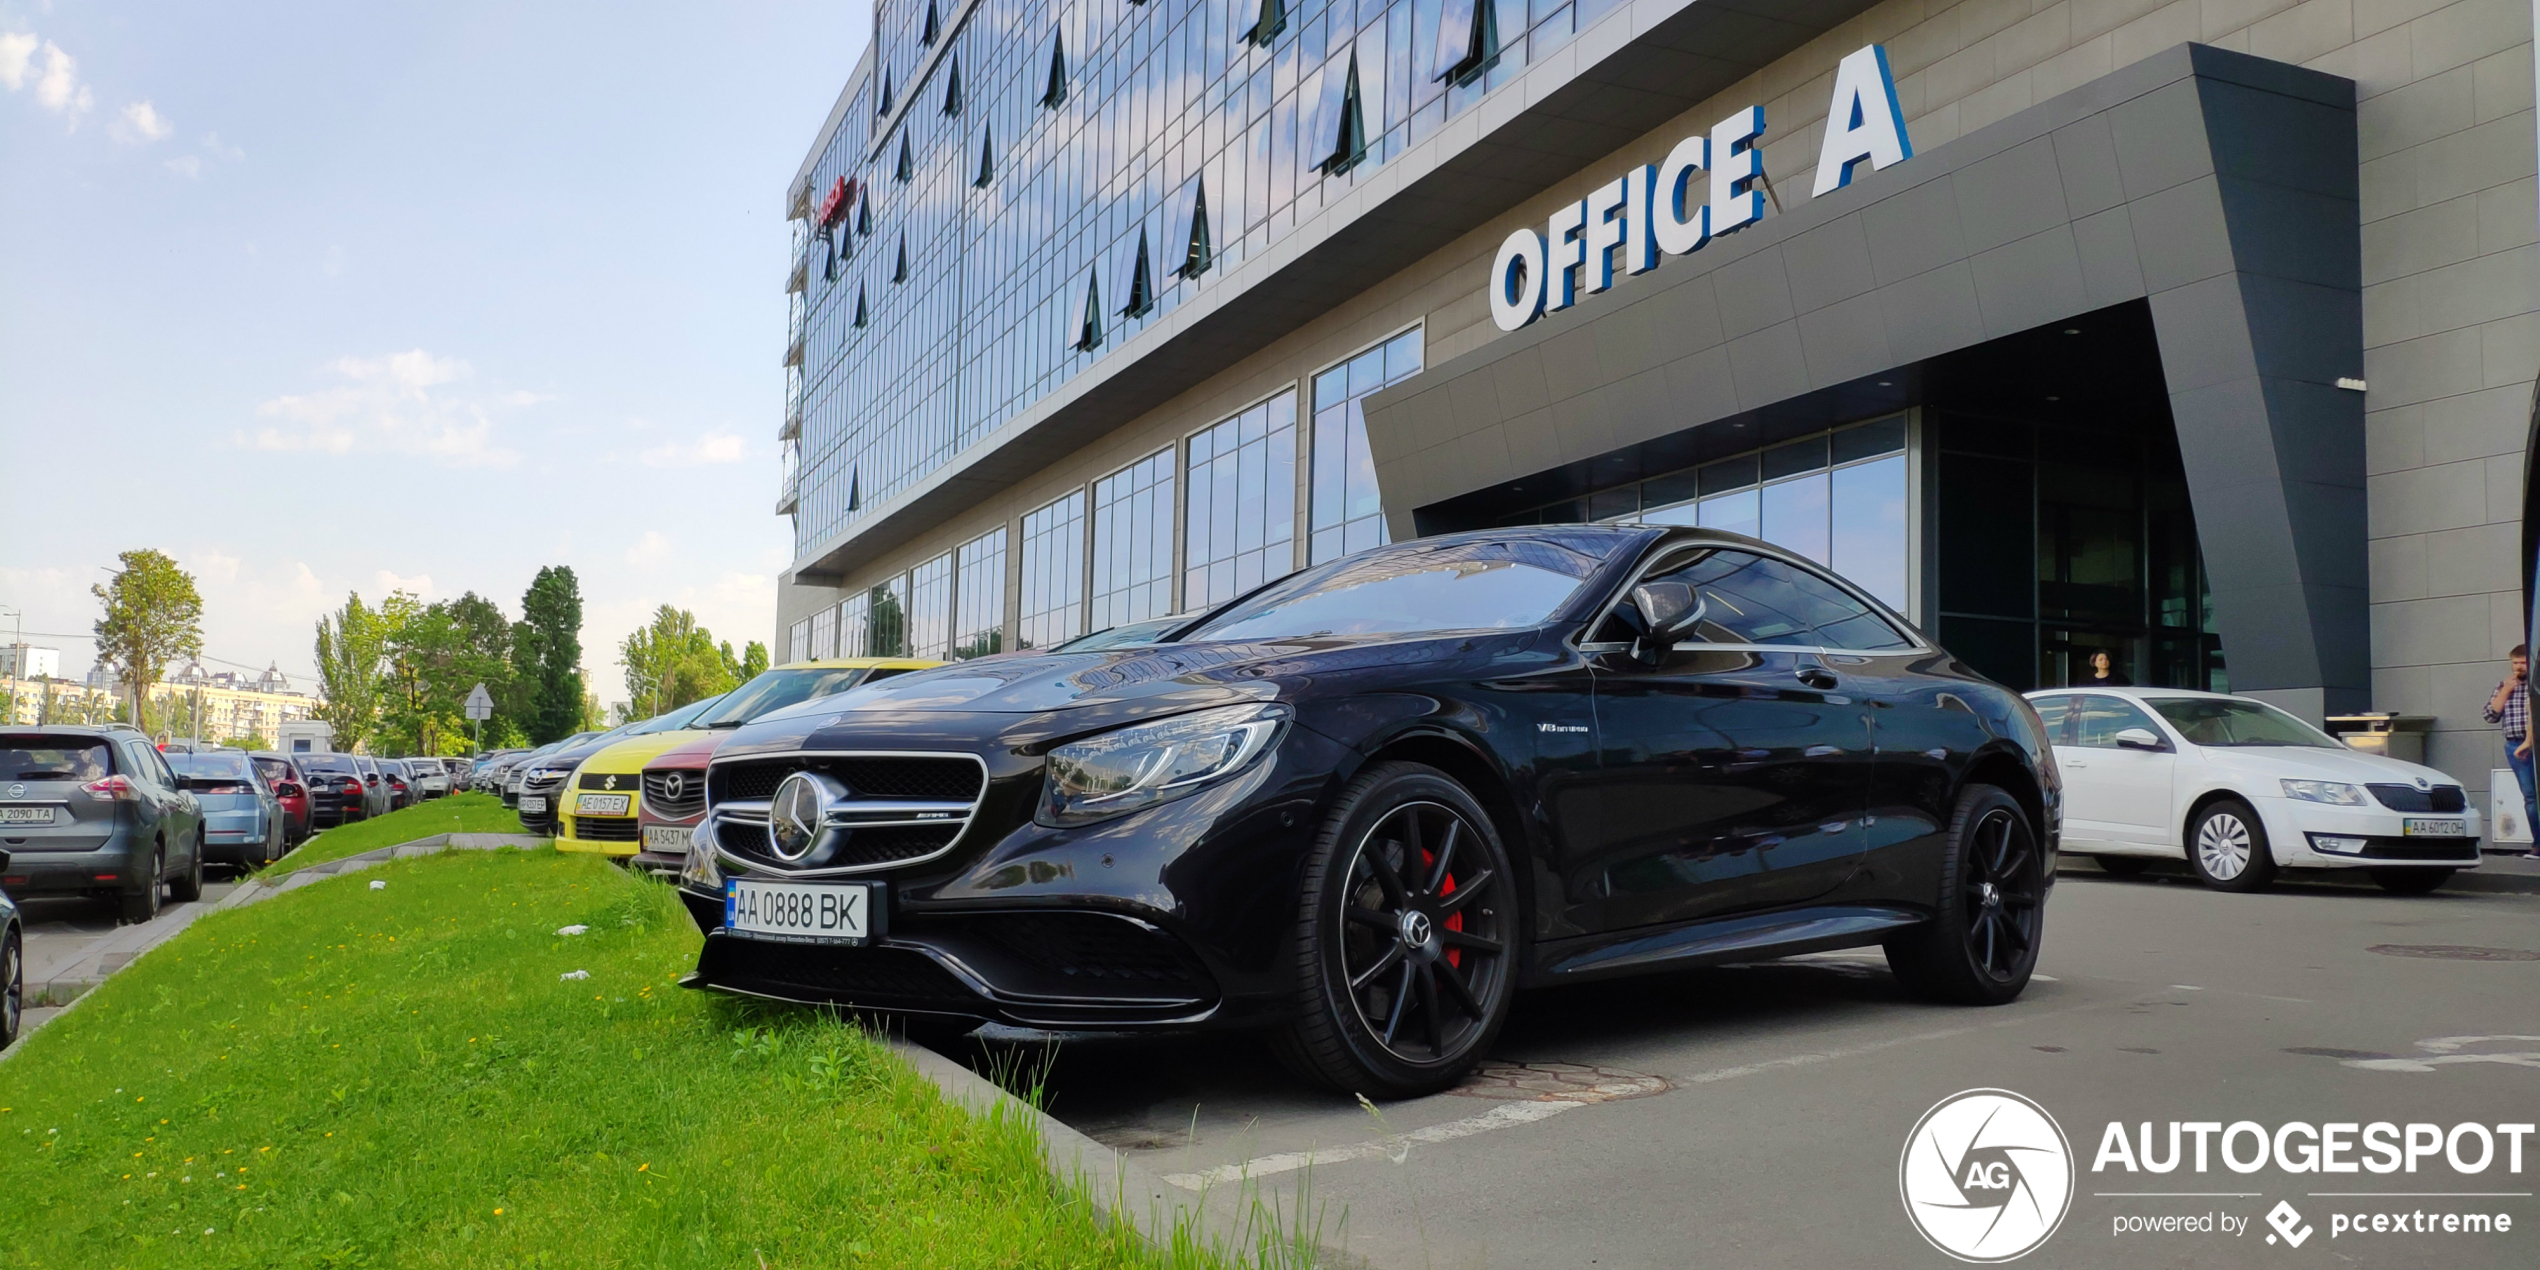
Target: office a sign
column 1706, row 188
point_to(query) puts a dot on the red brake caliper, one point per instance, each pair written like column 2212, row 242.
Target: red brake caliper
column 1454, row 921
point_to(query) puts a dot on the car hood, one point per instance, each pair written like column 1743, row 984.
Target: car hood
column 2304, row 763
column 629, row 756
column 1030, row 700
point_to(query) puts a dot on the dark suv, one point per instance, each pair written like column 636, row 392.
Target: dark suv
column 96, row 811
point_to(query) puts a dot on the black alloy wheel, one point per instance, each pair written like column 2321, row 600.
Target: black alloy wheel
column 1406, row 943
column 188, row 886
column 1982, row 942
column 12, row 988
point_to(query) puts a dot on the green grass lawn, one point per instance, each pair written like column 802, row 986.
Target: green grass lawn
column 348, row 1077
column 458, row 813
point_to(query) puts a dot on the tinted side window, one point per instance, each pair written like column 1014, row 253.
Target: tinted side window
column 1752, row 599
column 2056, row 713
column 2097, row 721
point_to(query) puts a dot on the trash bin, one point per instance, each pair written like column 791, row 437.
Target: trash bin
column 2399, row 736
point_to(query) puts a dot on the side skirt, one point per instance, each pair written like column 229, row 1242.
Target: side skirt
column 1784, row 933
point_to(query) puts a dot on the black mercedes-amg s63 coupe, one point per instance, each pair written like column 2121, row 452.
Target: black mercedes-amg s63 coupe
column 1362, row 806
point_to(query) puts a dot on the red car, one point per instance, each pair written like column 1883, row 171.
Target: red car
column 674, row 801
column 291, row 789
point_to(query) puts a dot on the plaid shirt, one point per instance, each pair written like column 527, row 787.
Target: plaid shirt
column 2515, row 718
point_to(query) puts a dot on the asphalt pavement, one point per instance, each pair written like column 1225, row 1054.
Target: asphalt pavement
column 1756, row 1115
column 73, row 943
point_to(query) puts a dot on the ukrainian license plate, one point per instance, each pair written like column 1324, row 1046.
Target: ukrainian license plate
column 26, row 815
column 666, row 839
column 601, row 804
column 801, row 912
column 2418, row 828
column 533, row 802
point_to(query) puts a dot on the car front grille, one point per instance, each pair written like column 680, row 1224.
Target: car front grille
column 859, row 848
column 2441, row 800
column 691, row 799
column 2464, row 851
column 1096, row 952
column 944, row 778
column 604, row 780
column 604, row 828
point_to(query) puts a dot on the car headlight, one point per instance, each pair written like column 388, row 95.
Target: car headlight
column 1144, row 764
column 2336, row 793
column 700, row 870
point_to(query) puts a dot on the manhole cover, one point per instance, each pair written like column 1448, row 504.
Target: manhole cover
column 2455, row 952
column 1557, row 1082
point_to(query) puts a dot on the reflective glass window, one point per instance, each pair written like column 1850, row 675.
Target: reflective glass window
column 1133, row 542
column 980, row 608
column 1239, row 527
column 1053, row 573
column 1752, row 599
column 855, row 626
column 1347, row 512
column 930, row 608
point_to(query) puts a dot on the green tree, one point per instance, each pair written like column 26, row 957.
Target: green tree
column 753, row 662
column 674, row 661
column 547, row 651
column 153, row 616
column 352, row 649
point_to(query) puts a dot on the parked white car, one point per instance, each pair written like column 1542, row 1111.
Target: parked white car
column 2239, row 788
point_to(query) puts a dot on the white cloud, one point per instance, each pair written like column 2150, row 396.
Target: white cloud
column 139, row 124
column 16, row 50
column 221, row 150
column 186, row 165
column 714, row 447
column 650, row 550
column 408, row 403
column 57, row 87
column 419, row 586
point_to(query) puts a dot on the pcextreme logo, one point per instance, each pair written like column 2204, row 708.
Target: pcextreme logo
column 1986, row 1175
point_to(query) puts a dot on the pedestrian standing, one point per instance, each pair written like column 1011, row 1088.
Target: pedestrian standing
column 2510, row 710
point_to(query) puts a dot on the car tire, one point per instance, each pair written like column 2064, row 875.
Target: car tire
column 12, row 987
column 1989, row 918
column 2410, row 881
column 2227, row 847
column 188, row 886
column 1406, row 944
column 2122, row 866
column 142, row 905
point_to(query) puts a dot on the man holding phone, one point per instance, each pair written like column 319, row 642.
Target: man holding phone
column 2510, row 710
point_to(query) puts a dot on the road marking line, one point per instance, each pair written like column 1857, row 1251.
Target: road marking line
column 1395, row 1148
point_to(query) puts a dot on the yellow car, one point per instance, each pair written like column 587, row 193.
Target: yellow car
column 599, row 814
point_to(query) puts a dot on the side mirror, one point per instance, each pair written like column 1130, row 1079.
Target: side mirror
column 2140, row 739
column 1667, row 610
column 288, row 789
column 4, row 861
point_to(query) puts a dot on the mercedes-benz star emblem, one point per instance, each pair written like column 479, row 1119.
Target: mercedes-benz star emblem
column 795, row 815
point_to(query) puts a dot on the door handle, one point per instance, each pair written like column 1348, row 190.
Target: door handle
column 1818, row 677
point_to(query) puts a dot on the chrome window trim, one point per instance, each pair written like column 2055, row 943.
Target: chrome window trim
column 1916, row 644
column 754, row 811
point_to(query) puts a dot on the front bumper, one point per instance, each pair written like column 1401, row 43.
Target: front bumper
column 660, row 860
column 597, row 835
column 2321, row 836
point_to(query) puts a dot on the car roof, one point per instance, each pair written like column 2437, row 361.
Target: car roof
column 2138, row 693
column 860, row 663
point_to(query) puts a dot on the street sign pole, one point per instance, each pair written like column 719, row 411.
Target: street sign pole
column 480, row 707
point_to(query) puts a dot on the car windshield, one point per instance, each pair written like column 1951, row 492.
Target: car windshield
column 776, row 689
column 210, row 766
column 1127, row 635
column 684, row 716
column 325, row 763
column 2238, row 721
column 52, row 758
column 1484, row 584
column 274, row 769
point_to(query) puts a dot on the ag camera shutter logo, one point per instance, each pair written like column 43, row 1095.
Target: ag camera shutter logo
column 1986, row 1175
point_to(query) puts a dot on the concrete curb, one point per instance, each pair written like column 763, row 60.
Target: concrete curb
column 1124, row 1190
column 146, row 937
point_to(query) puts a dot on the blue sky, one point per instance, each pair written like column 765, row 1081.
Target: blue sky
column 321, row 298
